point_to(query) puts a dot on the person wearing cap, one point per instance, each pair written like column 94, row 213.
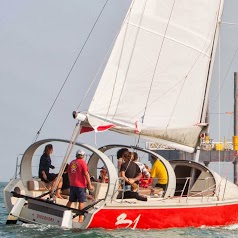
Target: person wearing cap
column 79, row 181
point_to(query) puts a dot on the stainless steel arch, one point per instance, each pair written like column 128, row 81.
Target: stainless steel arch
column 26, row 163
column 170, row 171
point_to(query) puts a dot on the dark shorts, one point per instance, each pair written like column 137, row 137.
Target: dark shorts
column 130, row 194
column 50, row 177
column 77, row 194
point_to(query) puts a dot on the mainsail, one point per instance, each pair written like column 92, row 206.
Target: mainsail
column 156, row 81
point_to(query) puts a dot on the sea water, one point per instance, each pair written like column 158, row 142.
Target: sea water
column 21, row 230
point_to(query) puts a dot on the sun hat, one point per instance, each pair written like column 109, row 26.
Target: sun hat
column 80, row 152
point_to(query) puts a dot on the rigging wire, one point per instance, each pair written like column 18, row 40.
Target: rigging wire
column 73, row 139
column 233, row 58
column 157, row 61
column 225, row 78
column 132, row 53
column 230, row 127
column 202, row 52
column 99, row 70
column 219, row 103
column 120, row 59
column 183, row 80
column 70, row 71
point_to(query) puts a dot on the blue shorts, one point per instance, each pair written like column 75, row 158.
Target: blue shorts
column 77, row 194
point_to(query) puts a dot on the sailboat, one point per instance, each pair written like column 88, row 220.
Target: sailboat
column 154, row 87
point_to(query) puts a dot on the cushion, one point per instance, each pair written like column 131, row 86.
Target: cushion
column 36, row 185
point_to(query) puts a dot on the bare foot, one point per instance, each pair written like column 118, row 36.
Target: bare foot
column 64, row 196
column 90, row 197
column 59, row 196
column 81, row 218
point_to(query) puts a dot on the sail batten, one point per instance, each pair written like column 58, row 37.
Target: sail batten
column 157, row 73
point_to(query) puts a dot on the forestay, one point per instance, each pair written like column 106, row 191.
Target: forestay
column 157, row 77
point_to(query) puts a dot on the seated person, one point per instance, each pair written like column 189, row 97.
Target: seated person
column 145, row 173
column 44, row 170
column 103, row 178
column 159, row 174
column 121, row 154
column 130, row 171
column 145, row 181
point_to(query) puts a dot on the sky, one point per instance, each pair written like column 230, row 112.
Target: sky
column 39, row 42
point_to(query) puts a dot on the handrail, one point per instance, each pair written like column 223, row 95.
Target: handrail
column 187, row 179
column 119, row 182
column 205, row 190
column 17, row 168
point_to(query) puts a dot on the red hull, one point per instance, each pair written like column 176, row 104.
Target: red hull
column 160, row 218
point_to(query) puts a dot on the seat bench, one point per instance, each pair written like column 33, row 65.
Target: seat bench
column 37, row 185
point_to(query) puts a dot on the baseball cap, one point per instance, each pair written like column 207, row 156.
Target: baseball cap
column 80, row 152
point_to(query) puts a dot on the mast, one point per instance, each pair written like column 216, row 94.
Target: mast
column 235, row 137
column 205, row 105
column 161, row 58
column 213, row 55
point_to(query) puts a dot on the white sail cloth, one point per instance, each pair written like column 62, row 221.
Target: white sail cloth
column 159, row 70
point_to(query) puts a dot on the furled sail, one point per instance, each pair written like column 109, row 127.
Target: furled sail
column 156, row 80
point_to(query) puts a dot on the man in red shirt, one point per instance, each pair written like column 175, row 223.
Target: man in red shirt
column 79, row 181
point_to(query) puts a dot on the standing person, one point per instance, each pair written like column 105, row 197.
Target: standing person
column 159, row 172
column 121, row 155
column 79, row 180
column 44, row 170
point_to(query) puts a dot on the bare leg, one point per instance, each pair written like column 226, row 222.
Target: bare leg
column 80, row 207
column 68, row 204
column 90, row 197
column 58, row 195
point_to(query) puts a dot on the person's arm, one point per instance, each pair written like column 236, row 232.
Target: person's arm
column 44, row 175
column 119, row 164
column 153, row 176
column 145, row 172
column 137, row 178
column 123, row 175
column 90, row 187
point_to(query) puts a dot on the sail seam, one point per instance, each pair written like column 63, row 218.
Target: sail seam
column 70, row 71
column 157, row 61
column 185, row 77
column 170, row 38
column 114, row 85
column 128, row 66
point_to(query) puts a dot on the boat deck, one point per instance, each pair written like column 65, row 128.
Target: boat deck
column 166, row 202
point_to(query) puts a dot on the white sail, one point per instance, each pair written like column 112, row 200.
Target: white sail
column 158, row 73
